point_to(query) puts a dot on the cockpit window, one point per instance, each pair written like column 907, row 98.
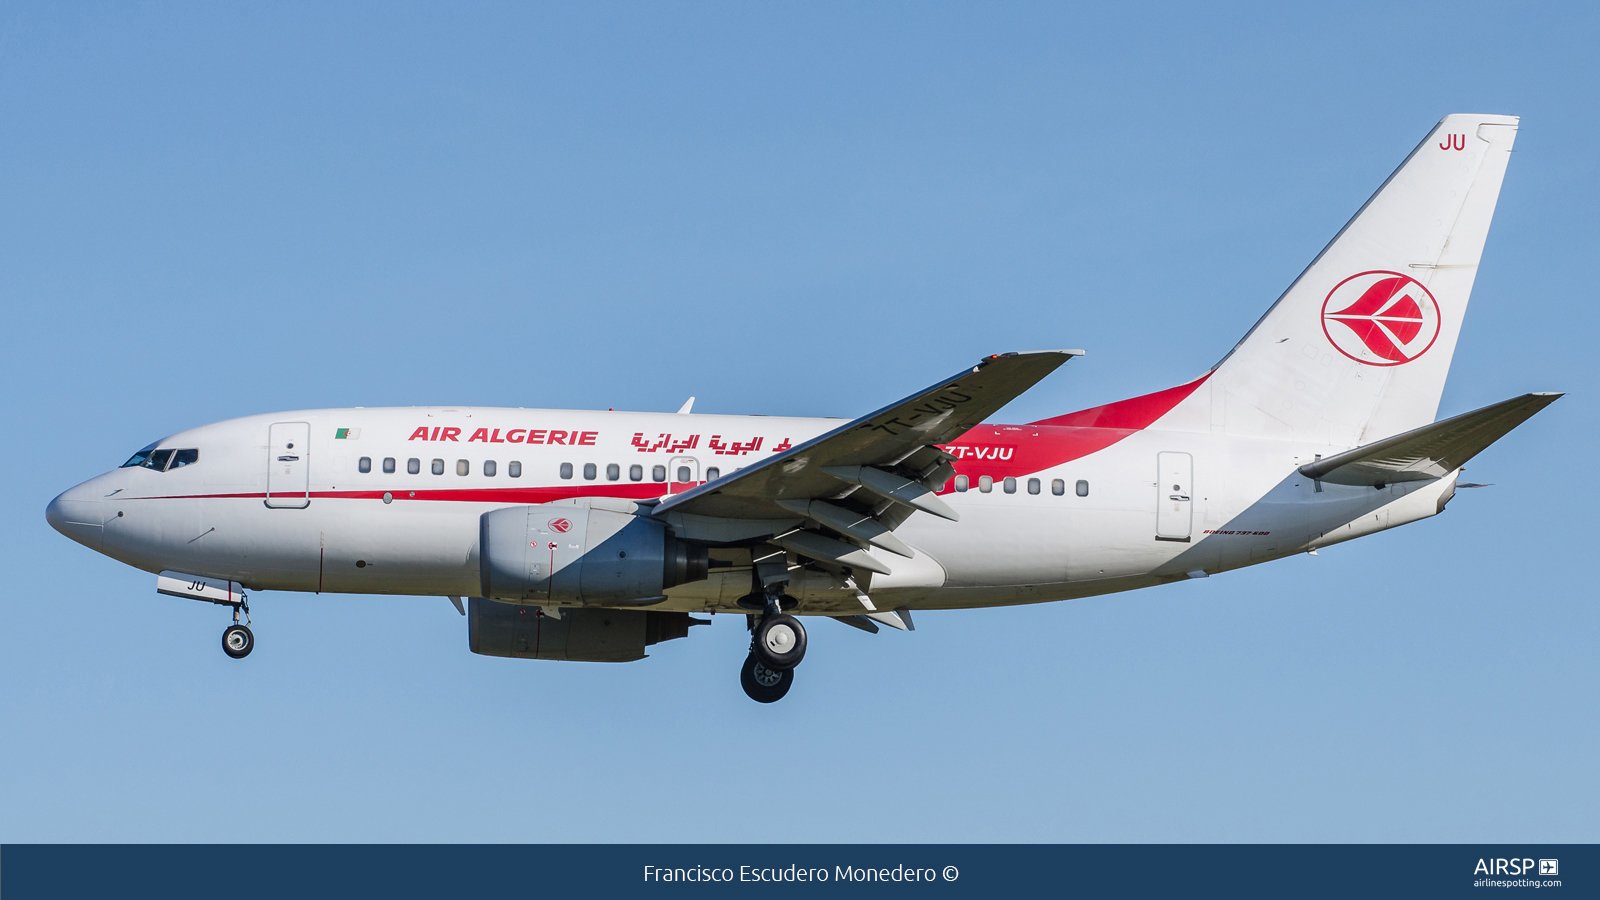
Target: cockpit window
column 140, row 458
column 151, row 458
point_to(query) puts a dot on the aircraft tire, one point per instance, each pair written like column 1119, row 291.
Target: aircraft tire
column 237, row 641
column 762, row 684
column 780, row 642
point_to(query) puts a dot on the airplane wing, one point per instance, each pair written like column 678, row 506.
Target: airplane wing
column 863, row 479
column 1431, row 451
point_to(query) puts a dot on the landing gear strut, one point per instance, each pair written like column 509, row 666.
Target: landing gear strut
column 237, row 640
column 777, row 645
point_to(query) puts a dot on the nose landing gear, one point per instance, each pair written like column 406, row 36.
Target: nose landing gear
column 237, row 640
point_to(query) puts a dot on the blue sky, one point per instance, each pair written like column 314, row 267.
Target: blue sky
column 796, row 209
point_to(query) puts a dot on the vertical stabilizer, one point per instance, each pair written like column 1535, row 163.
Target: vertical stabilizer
column 1359, row 346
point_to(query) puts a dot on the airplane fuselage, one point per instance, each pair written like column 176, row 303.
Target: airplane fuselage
column 388, row 501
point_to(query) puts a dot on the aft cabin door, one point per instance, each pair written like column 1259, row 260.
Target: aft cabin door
column 289, row 465
column 1174, row 503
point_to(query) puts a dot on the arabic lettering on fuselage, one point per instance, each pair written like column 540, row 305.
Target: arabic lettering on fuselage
column 667, row 443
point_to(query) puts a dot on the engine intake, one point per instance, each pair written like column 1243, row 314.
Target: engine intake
column 584, row 552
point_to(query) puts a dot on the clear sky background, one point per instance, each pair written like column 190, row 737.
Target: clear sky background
column 788, row 209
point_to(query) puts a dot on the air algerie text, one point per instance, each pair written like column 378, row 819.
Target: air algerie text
column 514, row 436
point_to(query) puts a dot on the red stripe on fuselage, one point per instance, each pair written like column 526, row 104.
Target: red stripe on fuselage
column 1134, row 413
column 1013, row 450
column 644, row 491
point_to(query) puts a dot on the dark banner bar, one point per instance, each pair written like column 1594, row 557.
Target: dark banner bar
column 675, row 870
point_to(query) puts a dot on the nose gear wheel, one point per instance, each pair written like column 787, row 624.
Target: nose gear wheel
column 237, row 641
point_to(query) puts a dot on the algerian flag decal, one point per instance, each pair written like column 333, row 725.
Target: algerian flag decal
column 347, row 434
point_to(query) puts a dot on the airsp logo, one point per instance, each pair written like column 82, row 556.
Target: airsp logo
column 1380, row 318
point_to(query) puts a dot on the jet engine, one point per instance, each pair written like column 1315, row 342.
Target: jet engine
column 578, row 635
column 591, row 551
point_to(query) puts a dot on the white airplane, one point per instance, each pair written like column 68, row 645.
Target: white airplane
column 591, row 535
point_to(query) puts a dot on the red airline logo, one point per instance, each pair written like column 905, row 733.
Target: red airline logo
column 560, row 526
column 1380, row 318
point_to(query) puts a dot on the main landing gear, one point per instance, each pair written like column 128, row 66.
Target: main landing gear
column 777, row 645
column 237, row 640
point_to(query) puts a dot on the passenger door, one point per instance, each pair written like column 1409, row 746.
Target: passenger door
column 289, row 465
column 1174, row 501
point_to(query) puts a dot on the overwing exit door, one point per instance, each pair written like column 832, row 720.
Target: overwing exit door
column 289, row 465
column 683, row 473
column 1174, row 501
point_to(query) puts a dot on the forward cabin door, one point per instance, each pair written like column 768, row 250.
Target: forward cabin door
column 289, row 465
column 1174, row 502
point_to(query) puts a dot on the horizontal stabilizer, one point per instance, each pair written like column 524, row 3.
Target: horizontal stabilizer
column 1431, row 451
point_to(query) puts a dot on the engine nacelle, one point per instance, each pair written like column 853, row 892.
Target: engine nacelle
column 580, row 635
column 587, row 552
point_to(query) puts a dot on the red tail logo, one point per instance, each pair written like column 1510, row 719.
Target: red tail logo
column 1380, row 318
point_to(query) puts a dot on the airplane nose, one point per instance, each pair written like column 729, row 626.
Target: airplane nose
column 77, row 518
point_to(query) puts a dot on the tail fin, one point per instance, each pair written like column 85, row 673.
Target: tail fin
column 1359, row 346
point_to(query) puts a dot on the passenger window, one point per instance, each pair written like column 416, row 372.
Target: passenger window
column 388, row 465
column 438, row 467
column 514, row 469
column 962, row 483
column 636, row 473
column 985, row 483
column 1058, row 487
column 589, row 471
column 613, row 472
column 489, row 468
column 463, row 467
column 158, row 460
column 658, row 473
column 683, row 475
column 713, row 473
column 364, row 465
column 184, row 458
column 413, row 466
column 1083, row 489
column 1011, row 485
column 1033, row 485
column 566, row 470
